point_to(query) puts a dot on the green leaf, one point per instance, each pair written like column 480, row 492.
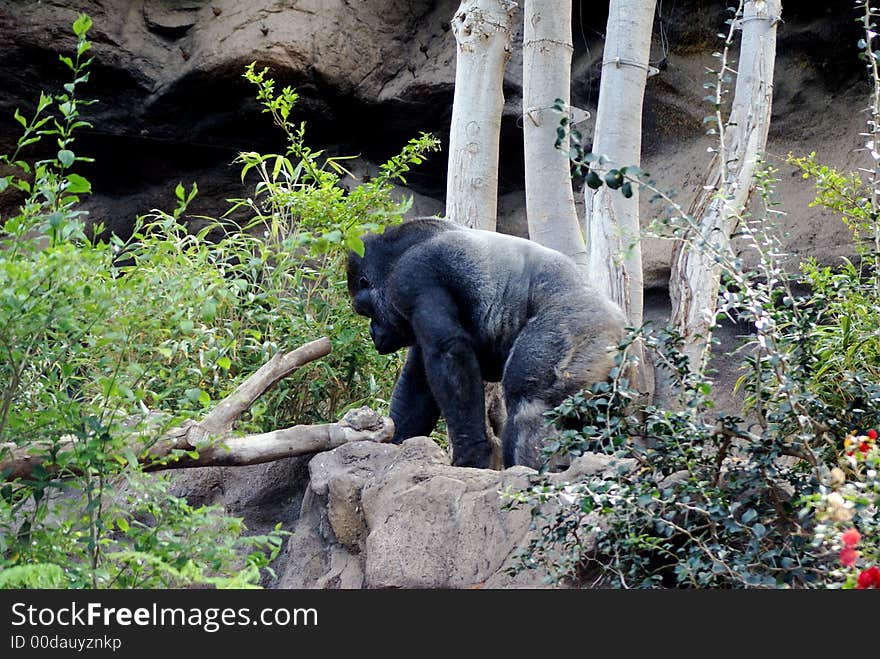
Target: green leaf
column 355, row 244
column 224, row 362
column 194, row 394
column 4, row 182
column 614, row 179
column 209, row 309
column 77, row 184
column 626, row 190
column 20, row 118
column 122, row 523
column 187, row 326
column 593, row 180
column 180, row 192
column 81, row 25
column 204, row 399
column 44, row 102
column 66, row 157
column 68, row 62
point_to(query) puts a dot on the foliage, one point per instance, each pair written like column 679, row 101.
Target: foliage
column 587, row 166
column 700, row 498
column 694, row 497
column 106, row 342
column 848, row 529
column 689, row 501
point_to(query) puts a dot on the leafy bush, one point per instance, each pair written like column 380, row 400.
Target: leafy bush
column 699, row 498
column 106, row 343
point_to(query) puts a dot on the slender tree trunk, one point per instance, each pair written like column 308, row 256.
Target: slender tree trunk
column 547, row 51
column 696, row 275
column 482, row 30
column 612, row 221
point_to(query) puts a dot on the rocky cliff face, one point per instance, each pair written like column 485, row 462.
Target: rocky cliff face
column 371, row 74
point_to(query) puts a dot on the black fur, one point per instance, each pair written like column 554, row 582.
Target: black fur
column 476, row 305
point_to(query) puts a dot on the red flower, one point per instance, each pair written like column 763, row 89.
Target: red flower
column 868, row 578
column 848, row 556
column 850, row 537
column 863, row 447
column 872, row 433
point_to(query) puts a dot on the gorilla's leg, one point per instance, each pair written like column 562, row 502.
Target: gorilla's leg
column 413, row 407
column 525, row 431
column 553, row 357
column 453, row 373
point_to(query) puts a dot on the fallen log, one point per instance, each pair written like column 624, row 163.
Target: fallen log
column 209, row 442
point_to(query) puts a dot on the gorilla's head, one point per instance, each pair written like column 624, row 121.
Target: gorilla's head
column 366, row 286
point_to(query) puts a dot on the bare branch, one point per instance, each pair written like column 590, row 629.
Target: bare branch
column 221, row 418
column 210, row 438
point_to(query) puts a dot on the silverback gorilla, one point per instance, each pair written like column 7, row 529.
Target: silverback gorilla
column 475, row 305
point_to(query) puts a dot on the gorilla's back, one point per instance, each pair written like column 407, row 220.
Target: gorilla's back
column 499, row 282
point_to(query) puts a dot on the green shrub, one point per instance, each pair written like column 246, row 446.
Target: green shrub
column 695, row 497
column 101, row 338
column 702, row 498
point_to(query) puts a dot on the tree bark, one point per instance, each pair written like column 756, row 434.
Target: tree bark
column 612, row 230
column 696, row 274
column 612, row 221
column 482, row 30
column 210, row 439
column 547, row 52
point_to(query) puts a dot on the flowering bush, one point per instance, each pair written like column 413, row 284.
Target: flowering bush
column 848, row 511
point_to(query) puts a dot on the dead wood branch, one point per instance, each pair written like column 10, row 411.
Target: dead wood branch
column 208, row 443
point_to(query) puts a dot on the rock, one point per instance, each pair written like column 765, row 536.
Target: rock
column 171, row 18
column 263, row 495
column 387, row 516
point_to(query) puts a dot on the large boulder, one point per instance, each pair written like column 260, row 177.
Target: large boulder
column 388, row 516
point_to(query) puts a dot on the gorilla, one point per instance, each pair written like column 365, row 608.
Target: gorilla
column 476, row 306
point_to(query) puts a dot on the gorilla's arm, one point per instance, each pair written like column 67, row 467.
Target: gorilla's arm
column 413, row 407
column 453, row 373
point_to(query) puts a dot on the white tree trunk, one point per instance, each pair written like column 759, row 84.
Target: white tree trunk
column 696, row 275
column 612, row 221
column 482, row 30
column 547, row 51
column 612, row 230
